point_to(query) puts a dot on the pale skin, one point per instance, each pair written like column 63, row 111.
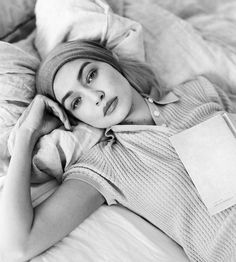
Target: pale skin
column 27, row 231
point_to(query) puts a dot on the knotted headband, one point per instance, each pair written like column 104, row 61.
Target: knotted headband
column 65, row 52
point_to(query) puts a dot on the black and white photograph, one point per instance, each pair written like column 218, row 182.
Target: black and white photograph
column 117, row 130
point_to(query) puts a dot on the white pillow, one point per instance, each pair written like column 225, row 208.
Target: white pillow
column 17, row 88
column 86, row 19
column 16, row 19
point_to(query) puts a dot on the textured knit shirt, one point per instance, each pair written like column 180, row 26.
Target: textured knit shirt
column 138, row 168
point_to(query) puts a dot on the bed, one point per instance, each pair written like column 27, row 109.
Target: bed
column 180, row 38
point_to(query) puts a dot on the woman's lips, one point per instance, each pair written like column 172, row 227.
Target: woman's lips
column 110, row 106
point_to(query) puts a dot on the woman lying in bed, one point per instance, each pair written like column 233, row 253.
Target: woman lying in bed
column 133, row 165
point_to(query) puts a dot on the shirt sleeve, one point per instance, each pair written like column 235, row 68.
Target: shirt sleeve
column 93, row 169
column 215, row 93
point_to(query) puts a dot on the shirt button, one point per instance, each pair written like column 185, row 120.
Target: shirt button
column 156, row 113
column 150, row 100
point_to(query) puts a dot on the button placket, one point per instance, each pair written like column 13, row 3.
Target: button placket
column 156, row 114
column 150, row 100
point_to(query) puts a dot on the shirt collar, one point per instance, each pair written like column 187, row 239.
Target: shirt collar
column 169, row 98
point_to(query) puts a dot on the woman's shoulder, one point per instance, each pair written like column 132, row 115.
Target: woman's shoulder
column 197, row 81
column 199, row 87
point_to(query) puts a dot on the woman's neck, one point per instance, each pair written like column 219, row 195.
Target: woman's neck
column 139, row 113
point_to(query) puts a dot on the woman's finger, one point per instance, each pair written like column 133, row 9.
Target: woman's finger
column 56, row 110
column 25, row 113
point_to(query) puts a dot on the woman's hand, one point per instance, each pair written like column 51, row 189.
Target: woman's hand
column 43, row 115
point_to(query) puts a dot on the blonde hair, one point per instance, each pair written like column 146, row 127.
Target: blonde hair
column 140, row 75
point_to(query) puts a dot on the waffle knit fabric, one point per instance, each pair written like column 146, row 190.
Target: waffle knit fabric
column 138, row 168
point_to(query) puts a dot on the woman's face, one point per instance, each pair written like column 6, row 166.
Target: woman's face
column 94, row 92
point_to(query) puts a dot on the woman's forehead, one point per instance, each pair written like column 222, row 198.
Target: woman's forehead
column 69, row 68
column 65, row 77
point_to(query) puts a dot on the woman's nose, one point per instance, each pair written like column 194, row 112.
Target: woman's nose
column 100, row 96
column 96, row 96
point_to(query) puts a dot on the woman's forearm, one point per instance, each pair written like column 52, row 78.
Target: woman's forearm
column 15, row 206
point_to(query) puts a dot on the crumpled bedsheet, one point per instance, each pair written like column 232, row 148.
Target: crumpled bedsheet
column 114, row 234
column 17, row 80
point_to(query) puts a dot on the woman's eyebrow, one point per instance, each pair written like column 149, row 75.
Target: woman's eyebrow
column 65, row 97
column 81, row 69
column 79, row 78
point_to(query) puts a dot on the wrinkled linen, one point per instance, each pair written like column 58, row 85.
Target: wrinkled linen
column 86, row 20
column 17, row 80
column 114, row 234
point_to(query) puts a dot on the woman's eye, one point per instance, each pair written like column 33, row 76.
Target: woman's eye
column 91, row 75
column 76, row 103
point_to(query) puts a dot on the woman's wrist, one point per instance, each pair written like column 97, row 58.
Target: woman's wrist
column 27, row 137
